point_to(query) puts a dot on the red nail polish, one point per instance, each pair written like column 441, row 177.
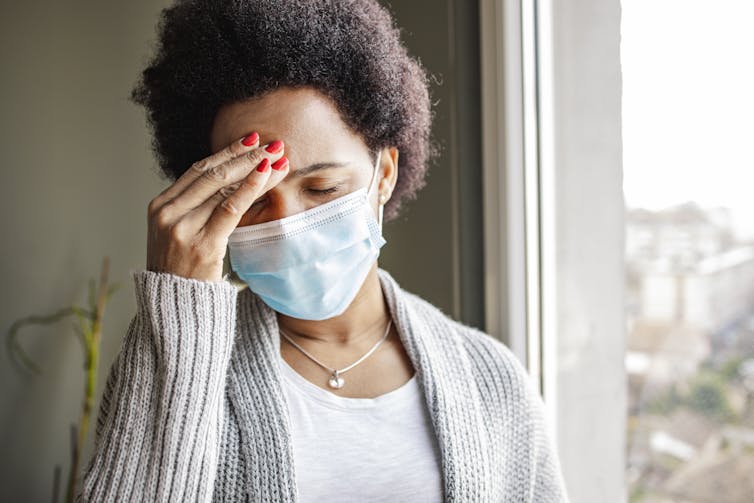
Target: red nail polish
column 251, row 139
column 274, row 147
column 280, row 164
column 263, row 165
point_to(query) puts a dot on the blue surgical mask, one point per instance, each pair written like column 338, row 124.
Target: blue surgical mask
column 312, row 264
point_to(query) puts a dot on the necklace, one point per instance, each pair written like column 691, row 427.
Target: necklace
column 336, row 381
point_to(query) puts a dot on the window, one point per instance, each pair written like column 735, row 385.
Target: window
column 688, row 157
column 620, row 261
column 554, row 240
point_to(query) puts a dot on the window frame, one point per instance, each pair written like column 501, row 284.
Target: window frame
column 554, row 218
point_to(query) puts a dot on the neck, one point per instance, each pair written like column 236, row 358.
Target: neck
column 365, row 316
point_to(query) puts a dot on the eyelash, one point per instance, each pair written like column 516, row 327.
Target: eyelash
column 323, row 191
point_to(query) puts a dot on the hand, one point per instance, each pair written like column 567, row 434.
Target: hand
column 190, row 221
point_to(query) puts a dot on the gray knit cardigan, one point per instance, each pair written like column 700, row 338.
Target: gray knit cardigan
column 193, row 408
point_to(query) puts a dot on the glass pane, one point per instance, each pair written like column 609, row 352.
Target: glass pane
column 688, row 108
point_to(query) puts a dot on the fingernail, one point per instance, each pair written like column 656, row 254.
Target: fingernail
column 263, row 165
column 251, row 139
column 280, row 164
column 274, row 147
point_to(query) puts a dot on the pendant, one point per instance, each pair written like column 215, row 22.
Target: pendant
column 336, row 381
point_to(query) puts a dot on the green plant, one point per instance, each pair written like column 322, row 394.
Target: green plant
column 729, row 369
column 707, row 396
column 89, row 330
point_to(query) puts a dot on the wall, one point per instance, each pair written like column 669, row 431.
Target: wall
column 74, row 187
column 435, row 249
column 78, row 175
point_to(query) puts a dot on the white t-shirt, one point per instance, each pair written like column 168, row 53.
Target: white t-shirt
column 362, row 449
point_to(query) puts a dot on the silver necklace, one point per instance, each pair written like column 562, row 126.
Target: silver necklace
column 336, row 381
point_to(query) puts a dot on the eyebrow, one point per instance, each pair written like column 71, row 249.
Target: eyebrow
column 320, row 165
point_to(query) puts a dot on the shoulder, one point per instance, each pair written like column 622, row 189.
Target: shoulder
column 491, row 360
column 496, row 368
column 513, row 408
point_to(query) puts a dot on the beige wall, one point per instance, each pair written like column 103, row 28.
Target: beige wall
column 74, row 187
column 76, row 179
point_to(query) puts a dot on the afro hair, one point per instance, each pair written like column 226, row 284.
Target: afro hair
column 214, row 52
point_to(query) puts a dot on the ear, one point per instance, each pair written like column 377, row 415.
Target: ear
column 389, row 169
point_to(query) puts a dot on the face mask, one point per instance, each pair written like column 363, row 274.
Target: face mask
column 311, row 265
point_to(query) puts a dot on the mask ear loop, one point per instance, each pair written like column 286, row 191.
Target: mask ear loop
column 374, row 177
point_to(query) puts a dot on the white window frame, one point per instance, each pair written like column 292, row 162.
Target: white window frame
column 554, row 274
column 511, row 174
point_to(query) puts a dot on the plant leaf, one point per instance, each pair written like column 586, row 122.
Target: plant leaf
column 92, row 286
column 111, row 289
column 18, row 355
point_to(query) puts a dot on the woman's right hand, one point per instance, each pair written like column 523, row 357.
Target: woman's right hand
column 190, row 221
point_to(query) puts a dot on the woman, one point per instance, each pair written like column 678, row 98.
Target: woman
column 281, row 124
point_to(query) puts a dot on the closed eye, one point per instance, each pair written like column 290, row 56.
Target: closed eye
column 329, row 190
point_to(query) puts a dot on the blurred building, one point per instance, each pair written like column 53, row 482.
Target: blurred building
column 689, row 286
column 690, row 293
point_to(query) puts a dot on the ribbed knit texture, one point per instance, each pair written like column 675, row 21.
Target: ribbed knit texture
column 194, row 410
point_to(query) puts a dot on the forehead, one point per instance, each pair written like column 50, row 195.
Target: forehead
column 304, row 118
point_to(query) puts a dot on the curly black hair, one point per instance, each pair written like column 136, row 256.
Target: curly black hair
column 214, row 52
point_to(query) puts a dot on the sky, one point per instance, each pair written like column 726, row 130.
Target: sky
column 688, row 105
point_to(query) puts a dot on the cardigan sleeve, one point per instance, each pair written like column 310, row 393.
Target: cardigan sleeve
column 160, row 417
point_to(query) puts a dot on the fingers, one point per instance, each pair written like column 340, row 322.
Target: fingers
column 233, row 150
column 230, row 204
column 217, row 177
